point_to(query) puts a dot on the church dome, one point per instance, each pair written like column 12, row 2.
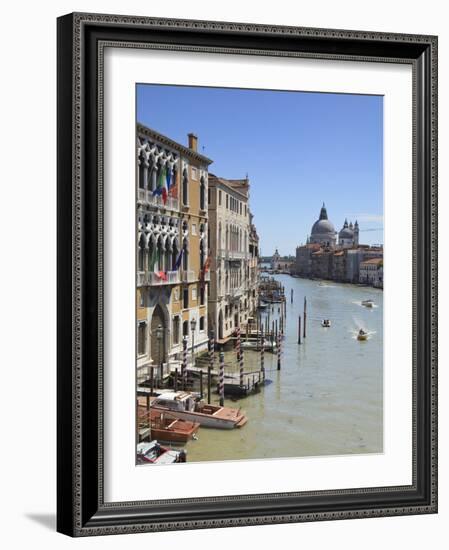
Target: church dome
column 323, row 226
column 347, row 231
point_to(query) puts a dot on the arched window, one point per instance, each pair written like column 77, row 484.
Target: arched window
column 141, row 254
column 185, row 188
column 202, row 194
column 142, row 169
column 185, row 256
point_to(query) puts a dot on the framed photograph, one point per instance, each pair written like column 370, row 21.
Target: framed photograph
column 247, row 274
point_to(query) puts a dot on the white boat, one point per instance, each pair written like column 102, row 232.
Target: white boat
column 325, row 323
column 367, row 303
column 187, row 406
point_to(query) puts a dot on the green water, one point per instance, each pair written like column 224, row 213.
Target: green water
column 327, row 397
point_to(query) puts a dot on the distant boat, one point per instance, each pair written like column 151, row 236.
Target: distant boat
column 367, row 303
column 362, row 335
column 153, row 452
column 325, row 323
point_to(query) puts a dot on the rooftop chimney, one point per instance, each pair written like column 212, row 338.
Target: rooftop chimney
column 193, row 142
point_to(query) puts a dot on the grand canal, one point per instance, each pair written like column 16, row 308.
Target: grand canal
column 327, row 399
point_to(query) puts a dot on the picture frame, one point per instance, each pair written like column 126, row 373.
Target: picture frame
column 81, row 508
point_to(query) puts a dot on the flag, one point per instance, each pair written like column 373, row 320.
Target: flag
column 155, row 262
column 206, row 267
column 161, row 185
column 178, row 261
column 153, row 258
column 168, row 179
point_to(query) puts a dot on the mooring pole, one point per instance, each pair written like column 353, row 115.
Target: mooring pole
column 299, row 329
column 279, row 351
column 175, row 383
column 262, row 354
column 184, row 363
column 209, row 383
column 291, row 296
column 201, row 384
column 221, row 379
column 212, row 348
column 305, row 317
column 240, row 355
column 152, row 380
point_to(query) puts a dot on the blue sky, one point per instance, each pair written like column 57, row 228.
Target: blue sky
column 298, row 149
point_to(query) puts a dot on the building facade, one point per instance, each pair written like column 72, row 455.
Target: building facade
column 371, row 272
column 234, row 241
column 171, row 255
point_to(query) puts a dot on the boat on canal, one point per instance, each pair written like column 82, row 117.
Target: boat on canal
column 325, row 323
column 165, row 427
column 152, row 452
column 187, row 406
column 362, row 335
column 367, row 303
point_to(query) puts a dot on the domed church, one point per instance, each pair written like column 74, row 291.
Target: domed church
column 324, row 234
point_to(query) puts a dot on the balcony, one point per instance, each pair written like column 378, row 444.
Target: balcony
column 188, row 276
column 231, row 254
column 172, row 278
column 146, row 197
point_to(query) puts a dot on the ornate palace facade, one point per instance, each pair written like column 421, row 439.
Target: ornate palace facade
column 172, row 248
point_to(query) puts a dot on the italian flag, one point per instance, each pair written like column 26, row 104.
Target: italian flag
column 161, row 185
column 155, row 262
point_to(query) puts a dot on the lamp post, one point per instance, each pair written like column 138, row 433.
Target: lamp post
column 192, row 327
column 159, row 337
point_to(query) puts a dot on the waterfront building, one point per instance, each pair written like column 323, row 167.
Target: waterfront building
column 172, row 249
column 371, row 272
column 234, row 241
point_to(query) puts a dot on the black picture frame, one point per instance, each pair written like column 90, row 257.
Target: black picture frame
column 81, row 510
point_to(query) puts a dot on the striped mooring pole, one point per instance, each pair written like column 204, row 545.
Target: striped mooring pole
column 240, row 354
column 211, row 349
column 262, row 354
column 184, row 363
column 221, row 379
column 279, row 350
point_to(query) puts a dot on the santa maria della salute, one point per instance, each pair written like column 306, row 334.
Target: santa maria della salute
column 324, row 234
column 338, row 256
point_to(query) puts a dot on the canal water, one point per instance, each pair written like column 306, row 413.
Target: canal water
column 327, row 399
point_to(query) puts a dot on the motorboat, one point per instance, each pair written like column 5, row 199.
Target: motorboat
column 367, row 303
column 152, row 452
column 187, row 406
column 362, row 335
column 164, row 427
column 325, row 323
